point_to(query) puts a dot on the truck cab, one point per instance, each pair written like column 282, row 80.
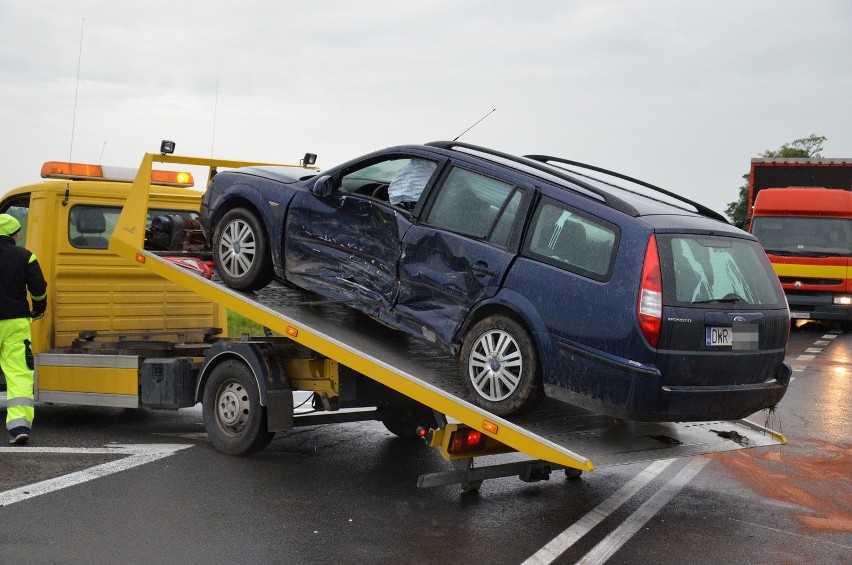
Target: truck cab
column 66, row 221
column 801, row 211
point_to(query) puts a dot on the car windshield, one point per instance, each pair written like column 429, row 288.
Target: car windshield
column 804, row 237
column 718, row 272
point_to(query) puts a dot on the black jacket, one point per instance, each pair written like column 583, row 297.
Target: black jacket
column 19, row 272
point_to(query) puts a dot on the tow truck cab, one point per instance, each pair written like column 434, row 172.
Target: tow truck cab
column 66, row 220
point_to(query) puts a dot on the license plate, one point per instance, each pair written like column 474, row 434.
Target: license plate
column 800, row 315
column 740, row 337
column 720, row 336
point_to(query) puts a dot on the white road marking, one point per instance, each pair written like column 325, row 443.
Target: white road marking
column 138, row 454
column 813, row 350
column 786, row 533
column 822, row 342
column 607, row 547
column 558, row 545
column 805, row 357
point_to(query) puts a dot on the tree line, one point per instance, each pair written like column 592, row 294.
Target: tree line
column 805, row 147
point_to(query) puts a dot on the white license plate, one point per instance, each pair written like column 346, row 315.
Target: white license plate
column 800, row 315
column 718, row 336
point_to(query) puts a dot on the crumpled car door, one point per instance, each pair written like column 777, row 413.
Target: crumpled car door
column 345, row 246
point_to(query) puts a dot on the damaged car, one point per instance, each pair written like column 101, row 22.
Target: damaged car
column 546, row 277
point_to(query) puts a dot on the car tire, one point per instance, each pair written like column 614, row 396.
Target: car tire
column 233, row 416
column 499, row 367
column 241, row 251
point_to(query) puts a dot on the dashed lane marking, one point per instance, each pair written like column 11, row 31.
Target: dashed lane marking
column 816, row 347
column 138, row 454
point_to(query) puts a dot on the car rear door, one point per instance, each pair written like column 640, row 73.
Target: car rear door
column 459, row 252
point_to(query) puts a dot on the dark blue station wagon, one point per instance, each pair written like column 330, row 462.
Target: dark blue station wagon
column 545, row 276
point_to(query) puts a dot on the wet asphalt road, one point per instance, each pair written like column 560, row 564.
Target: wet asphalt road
column 347, row 493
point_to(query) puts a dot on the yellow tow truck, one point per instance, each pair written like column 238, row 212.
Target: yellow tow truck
column 131, row 326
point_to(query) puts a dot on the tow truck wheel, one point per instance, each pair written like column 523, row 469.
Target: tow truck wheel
column 233, row 416
column 499, row 367
column 472, row 486
column 571, row 473
column 403, row 421
column 241, row 251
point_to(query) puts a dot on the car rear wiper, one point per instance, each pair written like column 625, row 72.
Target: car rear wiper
column 730, row 299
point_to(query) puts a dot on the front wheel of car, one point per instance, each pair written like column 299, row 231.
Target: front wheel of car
column 241, row 251
column 500, row 368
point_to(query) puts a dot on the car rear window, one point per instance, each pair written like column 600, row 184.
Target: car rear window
column 572, row 240
column 717, row 272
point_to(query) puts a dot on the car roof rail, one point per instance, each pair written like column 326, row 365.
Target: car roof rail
column 700, row 208
column 608, row 199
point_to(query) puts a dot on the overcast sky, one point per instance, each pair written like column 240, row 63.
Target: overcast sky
column 680, row 94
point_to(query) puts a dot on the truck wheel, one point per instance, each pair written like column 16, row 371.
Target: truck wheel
column 403, row 421
column 241, row 251
column 233, row 416
column 499, row 367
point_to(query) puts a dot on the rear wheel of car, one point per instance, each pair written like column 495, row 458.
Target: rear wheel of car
column 241, row 251
column 499, row 367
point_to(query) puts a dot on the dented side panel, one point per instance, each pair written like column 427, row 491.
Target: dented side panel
column 443, row 274
column 345, row 246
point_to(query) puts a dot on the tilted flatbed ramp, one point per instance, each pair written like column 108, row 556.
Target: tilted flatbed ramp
column 555, row 432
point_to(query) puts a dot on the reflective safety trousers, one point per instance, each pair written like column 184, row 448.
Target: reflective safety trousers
column 16, row 361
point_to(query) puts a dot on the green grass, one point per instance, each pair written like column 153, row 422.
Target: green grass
column 240, row 325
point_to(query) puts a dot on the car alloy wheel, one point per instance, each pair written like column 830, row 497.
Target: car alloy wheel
column 499, row 366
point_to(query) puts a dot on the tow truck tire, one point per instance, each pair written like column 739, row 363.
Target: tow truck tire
column 499, row 367
column 233, row 416
column 403, row 421
column 241, row 251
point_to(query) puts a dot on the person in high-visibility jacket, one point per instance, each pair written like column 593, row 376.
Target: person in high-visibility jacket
column 19, row 273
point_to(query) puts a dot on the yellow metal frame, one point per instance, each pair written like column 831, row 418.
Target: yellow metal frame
column 443, row 438
column 128, row 241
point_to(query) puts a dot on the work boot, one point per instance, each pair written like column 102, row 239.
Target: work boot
column 19, row 435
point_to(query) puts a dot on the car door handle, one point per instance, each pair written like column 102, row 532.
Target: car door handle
column 482, row 267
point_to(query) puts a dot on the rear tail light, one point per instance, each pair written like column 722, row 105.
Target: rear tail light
column 649, row 308
column 466, row 441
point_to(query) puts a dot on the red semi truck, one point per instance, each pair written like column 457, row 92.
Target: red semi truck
column 801, row 211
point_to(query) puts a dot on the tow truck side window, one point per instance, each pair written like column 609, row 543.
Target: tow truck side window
column 89, row 227
column 19, row 208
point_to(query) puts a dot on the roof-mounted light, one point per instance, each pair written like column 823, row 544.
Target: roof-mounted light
column 83, row 171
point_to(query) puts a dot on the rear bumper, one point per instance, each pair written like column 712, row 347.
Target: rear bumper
column 692, row 403
column 632, row 394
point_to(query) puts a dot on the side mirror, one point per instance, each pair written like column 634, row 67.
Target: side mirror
column 323, row 186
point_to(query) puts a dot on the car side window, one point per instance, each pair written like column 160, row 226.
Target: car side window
column 399, row 181
column 19, row 208
column 471, row 203
column 569, row 239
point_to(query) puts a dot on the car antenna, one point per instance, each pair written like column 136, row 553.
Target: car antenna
column 74, row 116
column 474, row 125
